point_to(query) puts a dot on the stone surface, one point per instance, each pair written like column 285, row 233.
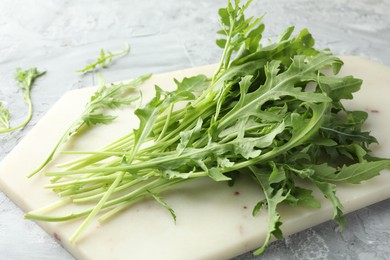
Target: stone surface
column 62, row 36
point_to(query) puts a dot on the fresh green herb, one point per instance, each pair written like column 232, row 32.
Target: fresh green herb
column 105, row 58
column 113, row 96
column 255, row 118
column 25, row 79
column 4, row 117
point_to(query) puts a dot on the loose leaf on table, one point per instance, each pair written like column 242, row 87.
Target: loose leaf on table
column 162, row 202
column 106, row 57
column 4, row 116
column 25, row 80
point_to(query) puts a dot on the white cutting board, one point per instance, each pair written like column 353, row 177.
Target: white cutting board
column 214, row 221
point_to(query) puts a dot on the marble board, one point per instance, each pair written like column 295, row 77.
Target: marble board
column 214, row 220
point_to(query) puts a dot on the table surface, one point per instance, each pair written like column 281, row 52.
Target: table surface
column 62, row 36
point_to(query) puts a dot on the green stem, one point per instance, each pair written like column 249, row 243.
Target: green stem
column 167, row 120
column 25, row 122
column 63, row 138
column 222, row 62
column 96, row 209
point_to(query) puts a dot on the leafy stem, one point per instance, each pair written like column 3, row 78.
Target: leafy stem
column 113, row 96
column 106, row 57
column 25, row 80
column 4, row 117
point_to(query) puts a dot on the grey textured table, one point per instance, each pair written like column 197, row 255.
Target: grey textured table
column 62, row 36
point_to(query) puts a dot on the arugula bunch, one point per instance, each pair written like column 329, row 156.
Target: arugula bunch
column 272, row 112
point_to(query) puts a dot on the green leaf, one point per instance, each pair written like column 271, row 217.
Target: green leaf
column 286, row 34
column 187, row 135
column 277, row 175
column 221, row 43
column 224, row 16
column 317, row 140
column 104, row 59
column 224, row 162
column 161, row 201
column 170, row 174
column 254, row 37
column 273, row 198
column 340, row 88
column 4, row 117
column 217, row 174
column 284, row 49
column 248, row 147
column 304, row 197
column 303, row 173
column 25, row 79
column 93, row 119
column 354, row 173
column 258, row 207
column 193, row 84
column 147, row 117
column 329, row 191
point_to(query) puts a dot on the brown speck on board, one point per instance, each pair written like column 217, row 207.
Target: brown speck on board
column 56, row 237
column 245, row 207
column 236, row 193
column 374, row 111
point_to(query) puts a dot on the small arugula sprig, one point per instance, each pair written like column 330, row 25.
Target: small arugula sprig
column 106, row 57
column 4, row 117
column 25, row 80
column 111, row 97
column 254, row 118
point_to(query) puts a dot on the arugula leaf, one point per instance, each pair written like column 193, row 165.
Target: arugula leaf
column 25, row 80
column 329, row 191
column 4, row 117
column 354, row 173
column 302, row 196
column 187, row 135
column 106, row 57
column 340, row 88
column 161, row 201
column 282, row 50
column 192, row 84
column 273, row 198
column 93, row 119
column 238, row 30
